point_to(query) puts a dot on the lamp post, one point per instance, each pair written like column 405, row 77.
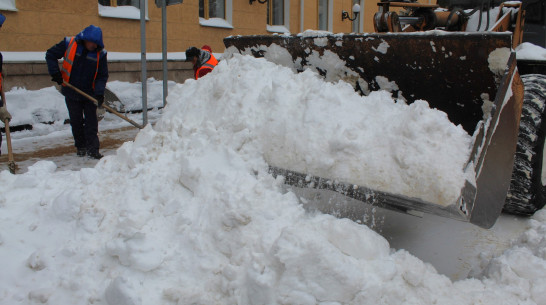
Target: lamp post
column 356, row 10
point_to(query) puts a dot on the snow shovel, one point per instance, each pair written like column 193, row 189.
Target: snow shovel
column 108, row 108
column 11, row 162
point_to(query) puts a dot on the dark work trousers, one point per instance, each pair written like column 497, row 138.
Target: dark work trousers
column 84, row 123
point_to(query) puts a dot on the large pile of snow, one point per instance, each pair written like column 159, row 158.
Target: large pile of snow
column 188, row 214
column 305, row 124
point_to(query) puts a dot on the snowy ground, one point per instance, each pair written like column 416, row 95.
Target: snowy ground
column 187, row 213
column 50, row 137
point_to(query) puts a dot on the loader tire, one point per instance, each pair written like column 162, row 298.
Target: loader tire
column 527, row 192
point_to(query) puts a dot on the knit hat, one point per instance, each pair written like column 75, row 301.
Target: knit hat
column 191, row 52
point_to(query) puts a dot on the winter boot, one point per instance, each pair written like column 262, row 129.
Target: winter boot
column 94, row 155
column 81, row 152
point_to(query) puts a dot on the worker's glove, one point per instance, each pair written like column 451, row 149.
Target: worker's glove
column 58, row 78
column 4, row 114
column 100, row 99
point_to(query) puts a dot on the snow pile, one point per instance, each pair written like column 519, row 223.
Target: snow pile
column 523, row 266
column 47, row 105
column 36, row 106
column 530, row 51
column 130, row 94
column 305, row 124
column 187, row 213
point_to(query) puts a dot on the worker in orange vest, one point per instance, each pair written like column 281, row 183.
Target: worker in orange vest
column 85, row 67
column 203, row 60
column 4, row 114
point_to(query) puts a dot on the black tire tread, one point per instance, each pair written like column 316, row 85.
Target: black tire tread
column 527, row 194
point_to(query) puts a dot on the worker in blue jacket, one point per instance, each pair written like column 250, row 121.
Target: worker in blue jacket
column 85, row 67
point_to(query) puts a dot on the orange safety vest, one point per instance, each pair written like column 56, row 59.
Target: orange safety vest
column 69, row 55
column 209, row 65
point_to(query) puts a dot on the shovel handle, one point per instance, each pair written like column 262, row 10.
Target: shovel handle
column 110, row 109
column 8, row 140
column 11, row 161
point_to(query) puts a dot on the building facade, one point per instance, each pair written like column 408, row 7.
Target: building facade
column 35, row 25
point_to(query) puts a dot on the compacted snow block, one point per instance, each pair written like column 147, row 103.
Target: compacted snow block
column 471, row 77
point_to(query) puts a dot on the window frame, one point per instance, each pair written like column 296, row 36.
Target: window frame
column 226, row 23
column 285, row 27
column 115, row 11
column 8, row 5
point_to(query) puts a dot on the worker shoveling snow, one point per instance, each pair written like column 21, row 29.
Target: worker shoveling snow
column 188, row 214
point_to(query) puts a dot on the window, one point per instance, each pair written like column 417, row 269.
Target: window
column 275, row 12
column 215, row 13
column 323, row 15
column 7, row 5
column 128, row 9
column 277, row 15
column 135, row 3
column 212, row 9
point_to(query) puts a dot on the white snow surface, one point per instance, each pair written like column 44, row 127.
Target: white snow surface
column 33, row 107
column 326, row 129
column 187, row 213
column 124, row 11
column 530, row 51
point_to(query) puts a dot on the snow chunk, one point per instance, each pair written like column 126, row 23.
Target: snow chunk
column 321, row 41
column 385, row 84
column 382, row 47
column 530, row 51
column 122, row 292
column 314, row 33
column 498, row 60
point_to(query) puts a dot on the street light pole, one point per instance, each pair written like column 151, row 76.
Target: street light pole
column 164, row 46
column 143, row 62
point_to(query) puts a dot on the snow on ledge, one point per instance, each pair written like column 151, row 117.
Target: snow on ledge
column 530, row 51
column 277, row 29
column 125, row 12
column 215, row 22
column 8, row 5
column 23, row 56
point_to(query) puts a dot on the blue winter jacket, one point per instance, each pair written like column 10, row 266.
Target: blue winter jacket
column 85, row 63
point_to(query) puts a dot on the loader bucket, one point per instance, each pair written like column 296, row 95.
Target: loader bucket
column 451, row 71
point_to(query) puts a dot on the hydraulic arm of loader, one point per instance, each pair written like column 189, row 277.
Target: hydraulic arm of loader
column 449, row 70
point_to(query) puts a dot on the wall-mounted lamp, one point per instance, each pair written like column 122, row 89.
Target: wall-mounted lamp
column 345, row 15
column 259, row 1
